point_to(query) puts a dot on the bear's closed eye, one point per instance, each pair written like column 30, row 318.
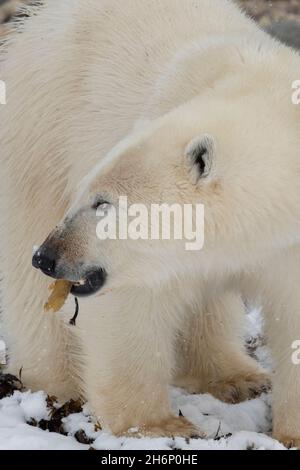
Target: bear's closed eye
column 100, row 203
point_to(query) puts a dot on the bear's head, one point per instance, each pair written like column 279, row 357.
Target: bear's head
column 233, row 156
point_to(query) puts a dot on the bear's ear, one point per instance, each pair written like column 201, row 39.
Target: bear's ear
column 200, row 153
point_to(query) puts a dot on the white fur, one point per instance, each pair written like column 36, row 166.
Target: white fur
column 83, row 76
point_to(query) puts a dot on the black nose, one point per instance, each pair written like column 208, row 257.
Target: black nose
column 45, row 261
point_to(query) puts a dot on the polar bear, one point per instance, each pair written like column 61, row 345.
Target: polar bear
column 165, row 101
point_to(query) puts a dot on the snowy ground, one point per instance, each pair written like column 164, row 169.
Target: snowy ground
column 243, row 426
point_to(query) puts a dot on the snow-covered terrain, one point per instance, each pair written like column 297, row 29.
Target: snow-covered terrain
column 242, row 426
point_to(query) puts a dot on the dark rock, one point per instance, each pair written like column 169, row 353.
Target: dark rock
column 82, row 438
column 8, row 384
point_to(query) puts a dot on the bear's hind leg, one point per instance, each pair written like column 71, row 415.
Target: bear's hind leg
column 212, row 357
column 282, row 311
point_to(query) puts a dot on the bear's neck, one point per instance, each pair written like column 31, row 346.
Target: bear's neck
column 231, row 60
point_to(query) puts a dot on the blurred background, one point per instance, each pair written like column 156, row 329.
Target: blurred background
column 281, row 18
column 268, row 11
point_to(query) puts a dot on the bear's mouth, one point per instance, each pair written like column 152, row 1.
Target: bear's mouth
column 92, row 282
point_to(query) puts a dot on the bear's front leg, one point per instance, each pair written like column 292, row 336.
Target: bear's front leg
column 129, row 357
column 282, row 308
